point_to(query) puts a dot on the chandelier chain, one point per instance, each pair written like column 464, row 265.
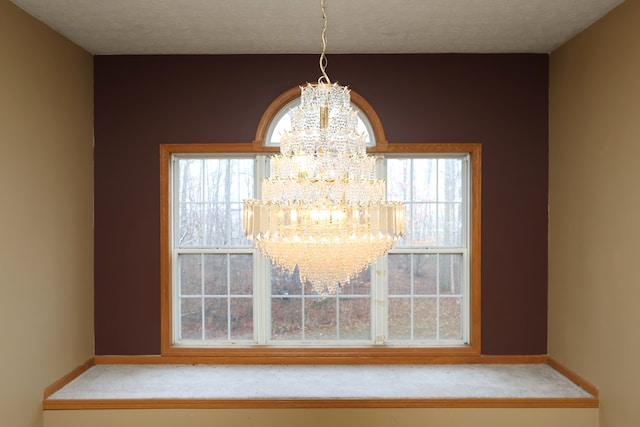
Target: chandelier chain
column 323, row 58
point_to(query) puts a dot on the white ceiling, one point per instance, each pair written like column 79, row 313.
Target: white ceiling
column 108, row 27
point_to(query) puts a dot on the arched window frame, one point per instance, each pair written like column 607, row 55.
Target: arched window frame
column 283, row 103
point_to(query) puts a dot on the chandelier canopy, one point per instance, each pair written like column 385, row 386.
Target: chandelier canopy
column 322, row 209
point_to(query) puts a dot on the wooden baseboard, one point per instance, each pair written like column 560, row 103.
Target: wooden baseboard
column 574, row 377
column 58, row 384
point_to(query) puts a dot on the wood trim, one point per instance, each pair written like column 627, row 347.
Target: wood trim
column 473, row 148
column 294, row 356
column 346, row 355
column 272, row 109
column 372, row 354
column 73, row 374
column 475, row 151
column 574, row 377
column 217, row 147
column 205, row 360
column 317, row 403
column 376, row 125
column 165, row 252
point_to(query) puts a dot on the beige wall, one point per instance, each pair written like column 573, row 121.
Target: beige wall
column 46, row 236
column 594, row 235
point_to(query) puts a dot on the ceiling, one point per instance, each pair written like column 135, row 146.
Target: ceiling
column 108, row 27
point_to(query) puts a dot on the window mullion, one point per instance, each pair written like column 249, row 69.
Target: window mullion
column 228, row 280
column 303, row 311
column 438, row 297
column 261, row 297
column 338, row 313
column 379, row 282
column 176, row 308
column 466, row 243
column 205, row 231
column 379, row 303
column 203, row 305
column 262, row 268
column 412, row 296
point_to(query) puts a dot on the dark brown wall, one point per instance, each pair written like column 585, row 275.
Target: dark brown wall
column 497, row 100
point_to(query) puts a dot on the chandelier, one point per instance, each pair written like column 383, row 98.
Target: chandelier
column 322, row 209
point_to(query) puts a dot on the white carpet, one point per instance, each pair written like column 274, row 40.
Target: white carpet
column 318, row 381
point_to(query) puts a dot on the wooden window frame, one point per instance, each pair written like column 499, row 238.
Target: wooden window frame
column 305, row 355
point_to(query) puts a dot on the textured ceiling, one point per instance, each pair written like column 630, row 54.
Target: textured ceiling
column 293, row 26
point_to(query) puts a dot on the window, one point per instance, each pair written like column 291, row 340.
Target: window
column 427, row 274
column 225, row 293
column 222, row 298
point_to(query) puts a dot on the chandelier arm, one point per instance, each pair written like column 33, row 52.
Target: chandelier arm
column 323, row 58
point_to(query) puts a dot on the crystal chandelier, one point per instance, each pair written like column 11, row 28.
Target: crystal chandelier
column 322, row 209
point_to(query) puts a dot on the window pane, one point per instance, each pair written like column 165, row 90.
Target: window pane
column 320, row 318
column 191, row 318
column 215, row 226
column 399, row 318
column 241, row 318
column 216, row 318
column 190, row 180
column 450, row 318
column 215, row 274
column 355, row 315
column 425, row 315
column 360, row 284
column 211, row 192
column 432, row 191
column 241, row 274
column 284, row 282
column 190, row 196
column 450, row 274
column 190, row 274
column 236, row 235
column 286, row 318
column 450, row 224
column 229, row 182
column 450, row 180
column 398, row 179
column 425, row 276
column 423, row 220
column 217, row 174
column 399, row 266
column 191, row 225
column 422, row 179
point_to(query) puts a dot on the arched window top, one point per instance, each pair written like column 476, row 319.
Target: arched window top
column 282, row 121
column 276, row 119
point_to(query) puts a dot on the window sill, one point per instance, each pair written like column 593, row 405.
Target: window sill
column 156, row 385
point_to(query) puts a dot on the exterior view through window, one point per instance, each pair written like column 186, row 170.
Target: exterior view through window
column 224, row 293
